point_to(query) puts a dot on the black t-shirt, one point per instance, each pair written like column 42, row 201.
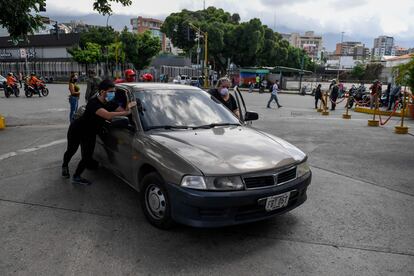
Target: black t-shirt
column 230, row 103
column 90, row 122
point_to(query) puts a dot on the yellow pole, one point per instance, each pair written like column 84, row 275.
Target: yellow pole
column 205, row 60
column 325, row 111
column 402, row 129
column 346, row 115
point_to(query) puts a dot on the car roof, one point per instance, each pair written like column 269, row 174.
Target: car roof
column 156, row 86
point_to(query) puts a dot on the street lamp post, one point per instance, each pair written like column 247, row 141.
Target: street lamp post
column 205, row 36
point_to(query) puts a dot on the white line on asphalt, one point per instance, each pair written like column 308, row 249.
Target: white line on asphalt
column 22, row 151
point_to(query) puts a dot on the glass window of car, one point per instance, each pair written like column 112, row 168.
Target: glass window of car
column 181, row 108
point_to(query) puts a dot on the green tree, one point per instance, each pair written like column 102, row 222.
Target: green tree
column 21, row 17
column 406, row 74
column 100, row 35
column 373, row 71
column 246, row 44
column 358, row 72
column 89, row 55
column 140, row 48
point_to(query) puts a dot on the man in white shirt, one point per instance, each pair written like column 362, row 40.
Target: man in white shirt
column 273, row 96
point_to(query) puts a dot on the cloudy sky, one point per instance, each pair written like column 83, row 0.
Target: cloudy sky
column 359, row 19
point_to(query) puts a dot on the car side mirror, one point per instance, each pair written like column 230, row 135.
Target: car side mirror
column 120, row 122
column 251, row 116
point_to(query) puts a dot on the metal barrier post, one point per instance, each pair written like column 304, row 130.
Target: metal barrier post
column 401, row 129
column 325, row 111
column 2, row 122
column 373, row 122
column 346, row 115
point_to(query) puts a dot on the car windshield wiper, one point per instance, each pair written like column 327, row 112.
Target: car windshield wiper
column 167, row 127
column 216, row 125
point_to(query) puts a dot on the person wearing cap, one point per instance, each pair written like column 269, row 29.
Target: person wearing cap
column 129, row 76
column 82, row 131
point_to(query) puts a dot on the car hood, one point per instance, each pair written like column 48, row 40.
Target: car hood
column 230, row 150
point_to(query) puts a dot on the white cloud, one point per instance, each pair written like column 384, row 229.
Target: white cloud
column 356, row 17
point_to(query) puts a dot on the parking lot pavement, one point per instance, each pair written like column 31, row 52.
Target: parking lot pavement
column 357, row 220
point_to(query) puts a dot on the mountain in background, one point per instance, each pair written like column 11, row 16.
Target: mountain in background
column 118, row 22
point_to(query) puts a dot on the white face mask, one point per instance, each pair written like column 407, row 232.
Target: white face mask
column 224, row 91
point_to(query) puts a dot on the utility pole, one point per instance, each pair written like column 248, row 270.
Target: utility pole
column 205, row 36
column 204, row 4
column 340, row 54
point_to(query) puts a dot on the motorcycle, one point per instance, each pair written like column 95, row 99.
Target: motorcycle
column 358, row 94
column 41, row 90
column 11, row 90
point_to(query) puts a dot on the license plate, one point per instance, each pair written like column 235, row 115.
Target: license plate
column 277, row 201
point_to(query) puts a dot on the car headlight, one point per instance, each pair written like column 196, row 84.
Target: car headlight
column 302, row 169
column 220, row 183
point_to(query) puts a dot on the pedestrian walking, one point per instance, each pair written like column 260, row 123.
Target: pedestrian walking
column 318, row 96
column 92, row 85
column 273, row 95
column 20, row 76
column 334, row 94
column 82, row 131
column 74, row 95
column 251, row 86
column 394, row 94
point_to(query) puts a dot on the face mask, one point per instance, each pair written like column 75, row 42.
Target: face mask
column 109, row 96
column 224, row 91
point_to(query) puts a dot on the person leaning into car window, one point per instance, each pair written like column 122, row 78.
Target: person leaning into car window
column 83, row 130
column 222, row 94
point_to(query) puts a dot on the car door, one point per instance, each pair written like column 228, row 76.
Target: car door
column 117, row 144
column 245, row 116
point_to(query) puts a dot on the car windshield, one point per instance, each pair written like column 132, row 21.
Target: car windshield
column 181, row 109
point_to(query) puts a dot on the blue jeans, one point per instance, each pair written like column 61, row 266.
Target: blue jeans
column 273, row 97
column 73, row 101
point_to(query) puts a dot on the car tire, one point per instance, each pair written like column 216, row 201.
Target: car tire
column 155, row 202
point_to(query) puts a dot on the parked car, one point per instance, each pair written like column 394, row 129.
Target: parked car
column 182, row 79
column 194, row 81
column 3, row 81
column 194, row 162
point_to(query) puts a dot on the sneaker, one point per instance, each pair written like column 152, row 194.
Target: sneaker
column 81, row 181
column 65, row 172
column 268, row 107
column 280, row 106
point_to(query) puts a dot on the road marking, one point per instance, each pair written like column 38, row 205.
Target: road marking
column 27, row 150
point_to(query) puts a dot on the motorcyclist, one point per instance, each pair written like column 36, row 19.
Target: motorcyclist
column 34, row 82
column 129, row 76
column 11, row 80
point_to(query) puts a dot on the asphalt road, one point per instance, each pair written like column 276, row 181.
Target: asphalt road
column 358, row 220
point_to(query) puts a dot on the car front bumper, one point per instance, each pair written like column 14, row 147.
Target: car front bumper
column 216, row 209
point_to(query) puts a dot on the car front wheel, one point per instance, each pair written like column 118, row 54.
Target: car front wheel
column 155, row 202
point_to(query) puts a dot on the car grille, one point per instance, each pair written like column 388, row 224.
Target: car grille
column 269, row 180
column 286, row 176
column 260, row 181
